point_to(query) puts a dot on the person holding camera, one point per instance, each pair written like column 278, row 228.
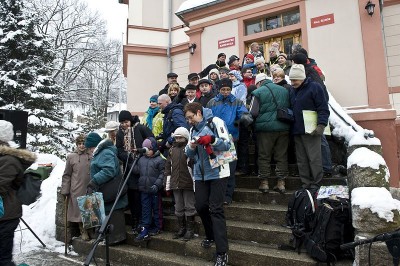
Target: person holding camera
column 13, row 163
column 150, row 169
column 210, row 183
column 130, row 137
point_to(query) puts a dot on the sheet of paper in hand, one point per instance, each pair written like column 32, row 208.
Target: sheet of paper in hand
column 310, row 122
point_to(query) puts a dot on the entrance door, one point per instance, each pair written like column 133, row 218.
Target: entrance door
column 285, row 44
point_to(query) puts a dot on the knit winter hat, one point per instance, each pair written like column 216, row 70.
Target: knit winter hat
column 283, row 55
column 237, row 74
column 150, row 143
column 111, row 126
column 124, row 115
column 223, row 69
column 297, row 72
column 7, row 131
column 80, row 139
column 154, row 98
column 215, row 71
column 260, row 77
column 92, row 140
column 225, row 83
column 250, row 56
column 181, row 132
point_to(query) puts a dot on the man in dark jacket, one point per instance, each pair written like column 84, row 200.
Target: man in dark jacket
column 130, row 136
column 13, row 163
column 171, row 78
column 220, row 63
column 173, row 118
column 272, row 134
column 308, row 95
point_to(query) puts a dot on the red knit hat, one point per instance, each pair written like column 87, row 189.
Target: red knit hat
column 250, row 56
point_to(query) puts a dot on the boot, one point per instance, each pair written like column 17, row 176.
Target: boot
column 182, row 227
column 84, row 233
column 189, row 228
column 264, row 186
column 280, row 186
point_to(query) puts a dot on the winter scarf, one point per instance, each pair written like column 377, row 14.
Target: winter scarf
column 151, row 113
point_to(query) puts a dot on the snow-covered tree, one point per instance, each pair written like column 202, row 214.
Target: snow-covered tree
column 26, row 81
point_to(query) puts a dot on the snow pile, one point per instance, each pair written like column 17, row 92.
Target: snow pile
column 189, row 4
column 364, row 157
column 353, row 133
column 40, row 216
column 377, row 199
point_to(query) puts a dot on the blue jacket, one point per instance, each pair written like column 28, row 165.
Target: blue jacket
column 252, row 66
column 173, row 118
column 104, row 167
column 202, row 169
column 228, row 109
column 239, row 90
column 151, row 172
column 309, row 96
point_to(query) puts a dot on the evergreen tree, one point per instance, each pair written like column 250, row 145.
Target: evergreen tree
column 26, row 81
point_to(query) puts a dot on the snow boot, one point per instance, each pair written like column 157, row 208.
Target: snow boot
column 182, row 227
column 280, row 186
column 144, row 235
column 264, row 188
column 189, row 228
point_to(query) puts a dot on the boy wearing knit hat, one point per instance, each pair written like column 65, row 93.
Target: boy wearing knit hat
column 308, row 96
column 150, row 168
column 181, row 183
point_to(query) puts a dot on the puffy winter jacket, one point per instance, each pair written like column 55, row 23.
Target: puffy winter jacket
column 151, row 172
column 177, row 167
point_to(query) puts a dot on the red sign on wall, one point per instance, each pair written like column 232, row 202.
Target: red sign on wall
column 226, row 42
column 322, row 20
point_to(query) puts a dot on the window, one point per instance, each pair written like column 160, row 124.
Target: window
column 273, row 22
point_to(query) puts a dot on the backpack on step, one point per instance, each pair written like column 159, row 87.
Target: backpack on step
column 332, row 227
column 300, row 215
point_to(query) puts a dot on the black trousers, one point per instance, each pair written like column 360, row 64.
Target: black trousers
column 7, row 229
column 210, row 207
column 135, row 206
column 243, row 149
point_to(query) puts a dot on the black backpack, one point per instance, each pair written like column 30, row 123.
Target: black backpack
column 29, row 190
column 300, row 215
column 332, row 227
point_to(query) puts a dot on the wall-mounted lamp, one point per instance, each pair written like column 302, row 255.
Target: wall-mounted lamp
column 192, row 48
column 370, row 7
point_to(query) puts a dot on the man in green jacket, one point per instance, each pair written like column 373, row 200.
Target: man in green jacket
column 272, row 134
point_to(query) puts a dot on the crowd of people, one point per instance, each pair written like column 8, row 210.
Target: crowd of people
column 167, row 152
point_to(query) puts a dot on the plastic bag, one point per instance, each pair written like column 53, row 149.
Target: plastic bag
column 92, row 210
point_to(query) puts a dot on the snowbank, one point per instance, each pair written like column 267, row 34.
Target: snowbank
column 377, row 199
column 189, row 4
column 40, row 216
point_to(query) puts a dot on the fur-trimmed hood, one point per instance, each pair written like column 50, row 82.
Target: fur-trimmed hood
column 24, row 155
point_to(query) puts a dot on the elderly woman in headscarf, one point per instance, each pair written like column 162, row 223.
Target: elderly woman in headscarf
column 153, row 118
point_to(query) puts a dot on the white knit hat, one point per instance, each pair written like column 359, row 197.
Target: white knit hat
column 111, row 126
column 297, row 72
column 215, row 71
column 7, row 131
column 259, row 60
column 181, row 132
column 260, row 77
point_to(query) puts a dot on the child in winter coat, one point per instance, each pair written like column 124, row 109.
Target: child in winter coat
column 181, row 183
column 150, row 168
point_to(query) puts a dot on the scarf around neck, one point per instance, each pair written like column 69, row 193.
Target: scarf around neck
column 151, row 113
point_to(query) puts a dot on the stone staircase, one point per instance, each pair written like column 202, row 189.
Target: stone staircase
column 254, row 225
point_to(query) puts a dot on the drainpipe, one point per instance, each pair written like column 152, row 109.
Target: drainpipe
column 169, row 36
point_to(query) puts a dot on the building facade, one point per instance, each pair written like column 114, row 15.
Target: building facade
column 358, row 52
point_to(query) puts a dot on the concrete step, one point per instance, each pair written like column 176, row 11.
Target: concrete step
column 240, row 253
column 271, row 234
column 253, row 212
column 292, row 183
column 136, row 255
column 255, row 196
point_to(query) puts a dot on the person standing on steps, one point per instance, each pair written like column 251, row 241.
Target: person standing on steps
column 181, row 184
column 75, row 179
column 210, row 183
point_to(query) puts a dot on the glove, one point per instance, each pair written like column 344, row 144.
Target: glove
column 246, row 120
column 205, row 140
column 318, row 131
column 91, row 187
column 154, row 189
